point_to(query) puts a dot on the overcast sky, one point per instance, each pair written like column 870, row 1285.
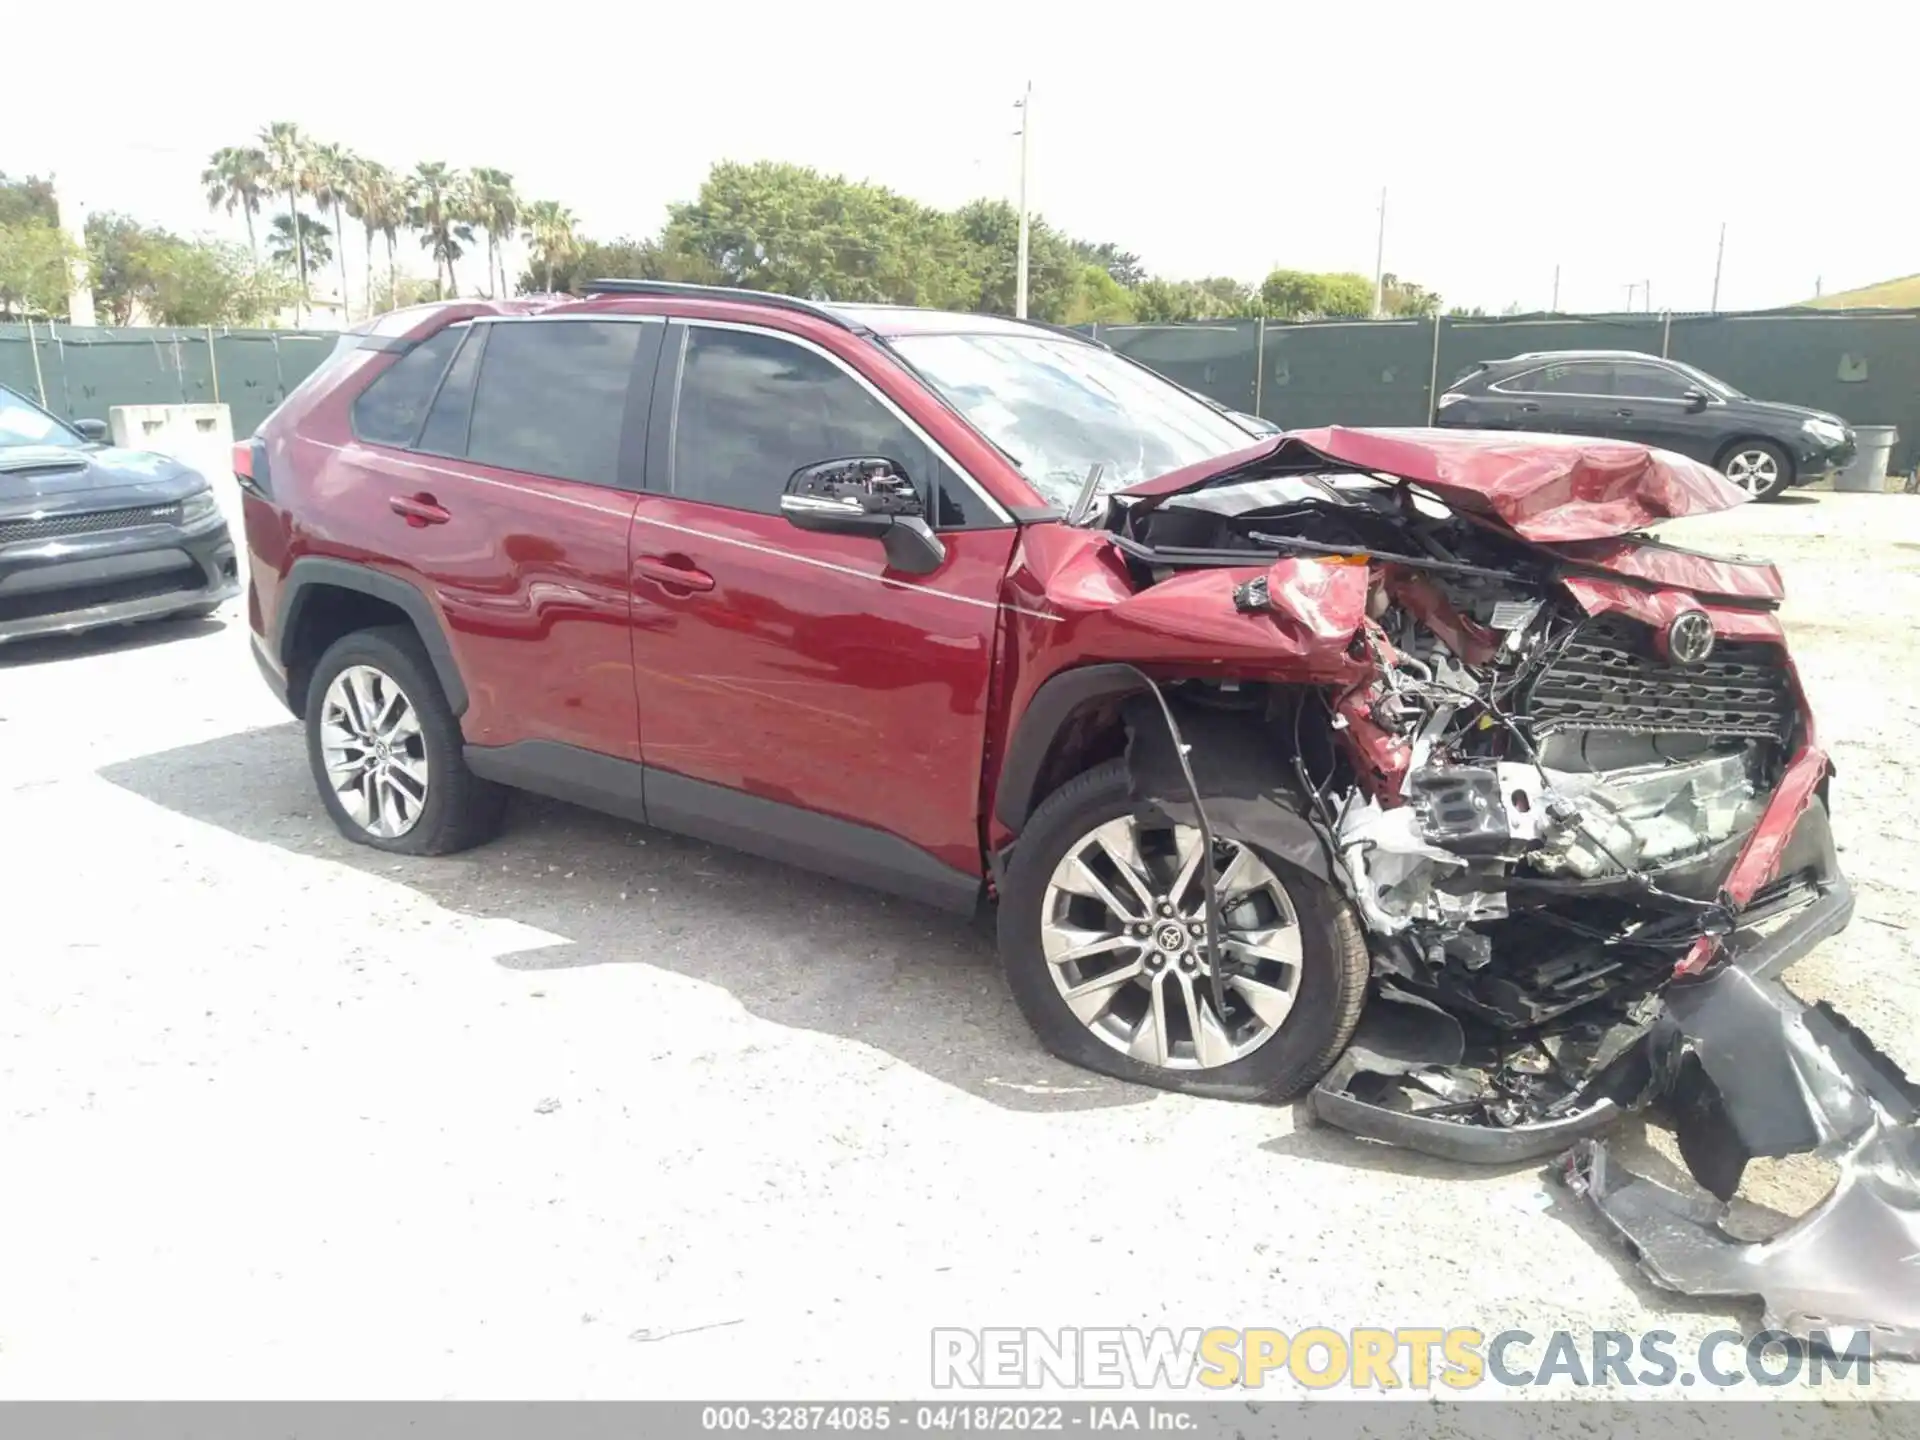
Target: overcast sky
column 1608, row 139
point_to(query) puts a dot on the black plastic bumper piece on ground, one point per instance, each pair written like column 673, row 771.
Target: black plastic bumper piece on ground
column 1752, row 959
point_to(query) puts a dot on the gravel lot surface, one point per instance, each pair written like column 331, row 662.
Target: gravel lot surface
column 598, row 1111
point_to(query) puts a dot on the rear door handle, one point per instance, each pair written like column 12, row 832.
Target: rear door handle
column 419, row 510
column 1624, row 414
column 1529, row 409
column 670, row 575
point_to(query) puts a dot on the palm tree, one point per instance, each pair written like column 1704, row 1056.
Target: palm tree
column 549, row 230
column 235, row 179
column 290, row 173
column 439, row 211
column 333, row 168
column 497, row 209
column 294, row 239
column 378, row 200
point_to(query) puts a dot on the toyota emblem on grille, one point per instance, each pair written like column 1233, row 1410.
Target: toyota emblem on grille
column 1690, row 638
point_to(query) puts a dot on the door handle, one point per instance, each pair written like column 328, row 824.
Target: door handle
column 1624, row 414
column 419, row 510
column 670, row 575
column 1529, row 409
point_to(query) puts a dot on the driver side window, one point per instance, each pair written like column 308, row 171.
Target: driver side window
column 751, row 408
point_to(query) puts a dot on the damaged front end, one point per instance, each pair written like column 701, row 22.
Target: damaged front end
column 1570, row 786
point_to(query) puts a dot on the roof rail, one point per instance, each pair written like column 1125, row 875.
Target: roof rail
column 679, row 290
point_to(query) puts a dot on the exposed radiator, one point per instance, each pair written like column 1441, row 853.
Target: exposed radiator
column 1609, row 678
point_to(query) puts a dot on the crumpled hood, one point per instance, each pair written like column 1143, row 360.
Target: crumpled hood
column 49, row 479
column 1544, row 488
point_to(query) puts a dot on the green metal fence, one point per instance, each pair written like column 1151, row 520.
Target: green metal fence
column 78, row 372
column 1860, row 364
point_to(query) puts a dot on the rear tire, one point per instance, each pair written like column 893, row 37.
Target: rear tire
column 1759, row 467
column 385, row 749
column 1330, row 988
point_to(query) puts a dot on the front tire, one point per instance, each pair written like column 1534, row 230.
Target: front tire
column 1097, row 934
column 385, row 749
column 1759, row 467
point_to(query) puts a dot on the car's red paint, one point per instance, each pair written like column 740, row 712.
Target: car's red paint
column 733, row 648
column 813, row 675
column 1542, row 487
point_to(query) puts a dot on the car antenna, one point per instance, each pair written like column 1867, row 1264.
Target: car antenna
column 1089, row 488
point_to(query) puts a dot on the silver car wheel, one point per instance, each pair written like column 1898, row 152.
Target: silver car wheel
column 375, row 755
column 1755, row 471
column 1123, row 929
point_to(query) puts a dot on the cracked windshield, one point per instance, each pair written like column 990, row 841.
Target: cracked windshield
column 1058, row 407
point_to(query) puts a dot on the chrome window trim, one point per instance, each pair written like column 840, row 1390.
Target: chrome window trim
column 1499, row 387
column 994, row 507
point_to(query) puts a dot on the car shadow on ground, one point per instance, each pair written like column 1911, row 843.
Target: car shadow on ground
column 792, row 948
column 109, row 640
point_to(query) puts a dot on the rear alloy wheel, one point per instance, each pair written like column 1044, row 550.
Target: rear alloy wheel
column 1758, row 467
column 375, row 755
column 1103, row 935
column 385, row 749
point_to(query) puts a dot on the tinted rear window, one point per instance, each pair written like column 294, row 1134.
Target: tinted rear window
column 552, row 397
column 389, row 411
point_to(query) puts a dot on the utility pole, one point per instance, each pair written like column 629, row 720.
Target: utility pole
column 1632, row 285
column 1648, row 295
column 1555, row 307
column 1380, row 259
column 1025, row 107
column 1719, row 257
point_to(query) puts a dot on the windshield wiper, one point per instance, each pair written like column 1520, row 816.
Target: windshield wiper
column 1082, row 508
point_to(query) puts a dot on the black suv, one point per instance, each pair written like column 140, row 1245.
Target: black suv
column 1761, row 446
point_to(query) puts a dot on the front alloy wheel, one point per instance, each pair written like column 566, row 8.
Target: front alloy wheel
column 1103, row 939
column 375, row 754
column 1124, row 930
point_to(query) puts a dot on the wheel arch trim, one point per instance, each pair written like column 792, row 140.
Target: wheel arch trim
column 312, row 573
column 1052, row 705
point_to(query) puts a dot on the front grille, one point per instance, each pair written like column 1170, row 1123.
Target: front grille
column 186, row 577
column 1609, row 678
column 55, row 527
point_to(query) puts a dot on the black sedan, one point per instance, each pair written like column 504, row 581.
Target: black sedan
column 91, row 535
column 1762, row 446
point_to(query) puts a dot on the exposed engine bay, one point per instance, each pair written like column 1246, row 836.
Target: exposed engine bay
column 1542, row 805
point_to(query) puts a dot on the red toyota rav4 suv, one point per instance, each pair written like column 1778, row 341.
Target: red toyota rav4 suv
column 1254, row 741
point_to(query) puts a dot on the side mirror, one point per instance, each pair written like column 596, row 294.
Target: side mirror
column 1695, row 401
column 95, row 432
column 868, row 496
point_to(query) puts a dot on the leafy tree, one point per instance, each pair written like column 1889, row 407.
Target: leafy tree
column 1097, row 296
column 397, row 291
column 992, row 231
column 36, row 260
column 333, row 169
column 200, row 282
column 290, row 172
column 236, row 179
column 377, row 198
column 1403, row 298
column 1169, row 301
column 28, row 199
column 1300, row 295
column 299, row 239
column 438, row 209
column 790, row 229
column 496, row 209
column 1122, row 265
column 553, row 240
column 118, row 249
column 622, row 259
